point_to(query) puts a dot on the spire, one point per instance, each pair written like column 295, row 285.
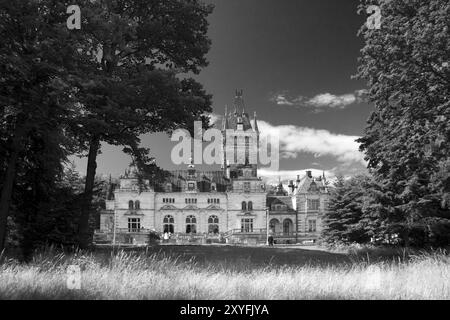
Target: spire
column 255, row 123
column 225, row 119
column 239, row 102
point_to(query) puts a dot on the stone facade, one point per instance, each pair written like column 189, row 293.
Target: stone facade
column 231, row 203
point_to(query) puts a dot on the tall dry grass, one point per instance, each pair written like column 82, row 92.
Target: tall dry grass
column 128, row 275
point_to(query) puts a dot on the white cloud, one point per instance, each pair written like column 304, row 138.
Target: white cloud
column 332, row 101
column 320, row 101
column 272, row 177
column 295, row 139
column 282, row 100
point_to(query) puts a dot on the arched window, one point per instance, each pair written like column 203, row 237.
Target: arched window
column 191, row 224
column 273, row 225
column 168, row 224
column 213, row 224
column 287, row 226
column 137, row 205
column 250, row 206
column 244, row 206
column 131, row 205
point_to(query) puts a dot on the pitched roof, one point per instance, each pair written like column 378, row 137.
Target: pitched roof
column 309, row 184
column 286, row 200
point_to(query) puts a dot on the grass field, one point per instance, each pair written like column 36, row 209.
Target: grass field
column 227, row 272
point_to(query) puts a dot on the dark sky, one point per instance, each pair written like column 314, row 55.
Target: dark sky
column 294, row 60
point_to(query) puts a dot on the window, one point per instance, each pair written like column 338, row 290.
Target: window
column 244, row 206
column 247, row 225
column 213, row 200
column 247, row 149
column 213, row 187
column 273, row 225
column 190, row 200
column 168, row 224
column 287, row 226
column 137, row 205
column 250, row 206
column 134, row 224
column 312, row 226
column 191, row 224
column 235, row 151
column 246, row 186
column 131, row 205
column 313, row 204
column 313, row 186
column 213, row 224
column 168, row 200
column 279, row 207
column 191, row 186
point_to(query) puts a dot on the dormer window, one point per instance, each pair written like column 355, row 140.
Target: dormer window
column 191, row 186
column 313, row 186
column 191, row 173
column 279, row 207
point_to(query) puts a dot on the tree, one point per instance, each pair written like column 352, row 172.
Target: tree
column 138, row 54
column 342, row 223
column 406, row 140
column 35, row 55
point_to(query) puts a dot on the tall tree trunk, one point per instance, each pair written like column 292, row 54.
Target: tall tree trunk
column 8, row 184
column 84, row 232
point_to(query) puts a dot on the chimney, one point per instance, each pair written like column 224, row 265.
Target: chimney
column 309, row 174
column 291, row 186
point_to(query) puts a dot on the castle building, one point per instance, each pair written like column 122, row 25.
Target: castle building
column 231, row 204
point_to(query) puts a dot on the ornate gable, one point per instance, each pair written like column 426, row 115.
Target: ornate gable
column 213, row 207
column 168, row 207
column 191, row 207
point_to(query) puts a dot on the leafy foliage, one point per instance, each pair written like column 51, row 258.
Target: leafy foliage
column 342, row 223
column 407, row 139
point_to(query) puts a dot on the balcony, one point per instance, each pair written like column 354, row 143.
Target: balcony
column 133, row 212
column 125, row 230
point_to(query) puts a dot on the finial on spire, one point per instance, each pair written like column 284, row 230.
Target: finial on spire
column 225, row 119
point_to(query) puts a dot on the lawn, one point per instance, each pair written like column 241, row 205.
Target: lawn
column 228, row 272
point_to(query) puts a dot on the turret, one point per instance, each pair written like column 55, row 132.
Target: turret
column 255, row 123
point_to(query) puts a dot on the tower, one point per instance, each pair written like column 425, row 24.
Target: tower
column 241, row 141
